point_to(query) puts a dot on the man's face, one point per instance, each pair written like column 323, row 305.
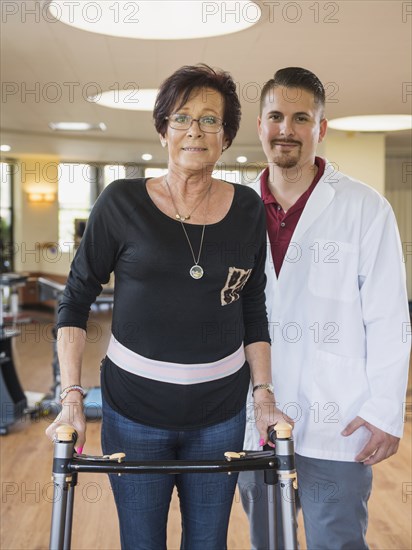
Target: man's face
column 290, row 127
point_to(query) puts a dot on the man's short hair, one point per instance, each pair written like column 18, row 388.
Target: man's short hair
column 295, row 77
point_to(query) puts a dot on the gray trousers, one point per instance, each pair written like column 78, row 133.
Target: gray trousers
column 332, row 495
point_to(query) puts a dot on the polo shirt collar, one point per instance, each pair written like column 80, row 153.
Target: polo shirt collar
column 267, row 196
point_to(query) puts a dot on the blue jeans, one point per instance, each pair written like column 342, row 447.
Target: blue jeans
column 143, row 500
column 333, row 497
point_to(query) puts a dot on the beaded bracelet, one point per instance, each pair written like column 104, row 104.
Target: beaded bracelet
column 73, row 387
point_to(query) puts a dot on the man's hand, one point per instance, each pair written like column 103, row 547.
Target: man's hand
column 380, row 446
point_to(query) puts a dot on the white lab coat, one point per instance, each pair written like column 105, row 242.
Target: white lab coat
column 339, row 320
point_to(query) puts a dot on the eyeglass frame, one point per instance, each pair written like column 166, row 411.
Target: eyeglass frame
column 223, row 124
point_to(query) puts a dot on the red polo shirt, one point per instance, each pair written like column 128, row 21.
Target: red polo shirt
column 281, row 224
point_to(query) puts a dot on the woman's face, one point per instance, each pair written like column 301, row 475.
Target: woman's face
column 193, row 149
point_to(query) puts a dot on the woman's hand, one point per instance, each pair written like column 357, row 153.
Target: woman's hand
column 267, row 415
column 72, row 413
column 70, row 348
column 266, row 412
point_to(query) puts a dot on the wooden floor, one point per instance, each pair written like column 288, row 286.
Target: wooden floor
column 26, row 469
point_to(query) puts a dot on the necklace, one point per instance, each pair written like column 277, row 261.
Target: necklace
column 196, row 271
column 179, row 216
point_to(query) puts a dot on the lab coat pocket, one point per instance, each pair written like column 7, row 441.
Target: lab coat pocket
column 339, row 388
column 333, row 270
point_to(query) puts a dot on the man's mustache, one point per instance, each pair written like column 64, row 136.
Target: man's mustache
column 280, row 141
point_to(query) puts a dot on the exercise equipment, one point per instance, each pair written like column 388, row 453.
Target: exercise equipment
column 13, row 401
column 51, row 290
column 278, row 463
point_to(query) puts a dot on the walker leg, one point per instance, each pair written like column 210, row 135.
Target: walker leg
column 64, row 481
column 272, row 519
column 281, row 436
column 288, row 511
column 69, row 514
column 58, row 525
column 271, row 480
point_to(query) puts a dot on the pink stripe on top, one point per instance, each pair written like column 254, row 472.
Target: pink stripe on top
column 174, row 373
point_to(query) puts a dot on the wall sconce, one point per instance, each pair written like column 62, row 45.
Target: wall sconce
column 41, row 197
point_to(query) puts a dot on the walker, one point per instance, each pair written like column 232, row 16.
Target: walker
column 278, row 463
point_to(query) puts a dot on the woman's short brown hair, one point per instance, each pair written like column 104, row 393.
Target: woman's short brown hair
column 176, row 89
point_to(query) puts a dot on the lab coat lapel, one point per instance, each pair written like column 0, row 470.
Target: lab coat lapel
column 319, row 199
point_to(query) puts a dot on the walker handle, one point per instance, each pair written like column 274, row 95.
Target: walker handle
column 65, row 432
column 281, row 430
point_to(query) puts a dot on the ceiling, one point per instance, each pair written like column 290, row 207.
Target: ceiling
column 361, row 50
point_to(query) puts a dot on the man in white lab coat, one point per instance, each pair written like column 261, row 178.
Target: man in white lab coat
column 339, row 321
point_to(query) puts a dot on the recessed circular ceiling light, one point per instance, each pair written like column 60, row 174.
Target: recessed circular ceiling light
column 5, row 148
column 372, row 123
column 147, row 156
column 159, row 20
column 242, row 159
column 131, row 100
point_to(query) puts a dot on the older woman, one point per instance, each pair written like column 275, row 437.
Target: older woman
column 189, row 326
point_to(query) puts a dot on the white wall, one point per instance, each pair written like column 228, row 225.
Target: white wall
column 361, row 156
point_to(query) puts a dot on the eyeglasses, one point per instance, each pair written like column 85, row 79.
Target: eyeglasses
column 209, row 124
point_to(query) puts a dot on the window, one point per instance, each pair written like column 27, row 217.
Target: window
column 234, row 176
column 77, row 192
column 154, row 172
column 6, row 217
column 113, row 172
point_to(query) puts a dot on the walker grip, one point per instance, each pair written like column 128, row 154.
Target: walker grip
column 247, row 455
column 65, row 432
column 281, row 430
column 115, row 457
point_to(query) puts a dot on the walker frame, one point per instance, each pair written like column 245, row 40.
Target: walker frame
column 278, row 464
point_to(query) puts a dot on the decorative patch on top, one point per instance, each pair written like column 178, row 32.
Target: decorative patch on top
column 236, row 280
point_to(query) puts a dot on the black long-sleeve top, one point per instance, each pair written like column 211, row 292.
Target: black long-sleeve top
column 160, row 312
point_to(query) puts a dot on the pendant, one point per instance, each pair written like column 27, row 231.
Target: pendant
column 196, row 271
column 182, row 218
